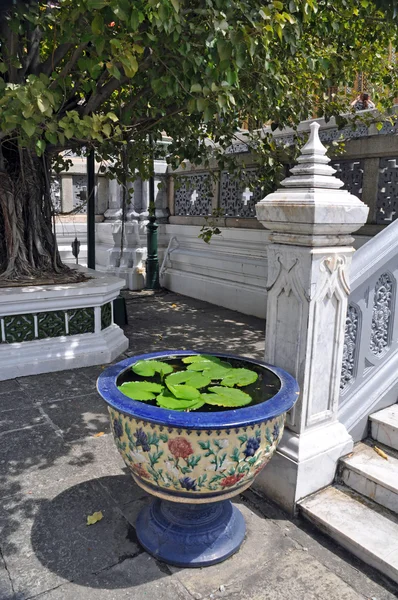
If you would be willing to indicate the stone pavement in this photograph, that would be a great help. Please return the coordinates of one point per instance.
(55, 470)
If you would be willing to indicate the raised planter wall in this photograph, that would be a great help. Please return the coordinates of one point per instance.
(57, 327)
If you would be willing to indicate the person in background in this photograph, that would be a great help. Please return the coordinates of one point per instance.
(363, 102)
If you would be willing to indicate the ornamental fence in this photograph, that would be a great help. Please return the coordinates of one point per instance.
(368, 168)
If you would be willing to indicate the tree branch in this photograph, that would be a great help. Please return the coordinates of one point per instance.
(103, 94)
(50, 64)
(10, 50)
(32, 57)
(130, 105)
(70, 64)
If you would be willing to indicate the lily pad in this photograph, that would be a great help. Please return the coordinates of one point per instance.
(192, 378)
(229, 398)
(167, 400)
(141, 390)
(148, 368)
(200, 358)
(239, 377)
(219, 371)
(210, 367)
(185, 392)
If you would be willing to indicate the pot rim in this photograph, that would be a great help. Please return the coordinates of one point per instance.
(283, 400)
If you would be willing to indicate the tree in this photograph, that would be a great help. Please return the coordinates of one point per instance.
(105, 74)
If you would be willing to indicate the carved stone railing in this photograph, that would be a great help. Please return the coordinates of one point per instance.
(368, 168)
(369, 378)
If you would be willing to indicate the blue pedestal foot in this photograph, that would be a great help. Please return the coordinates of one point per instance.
(190, 535)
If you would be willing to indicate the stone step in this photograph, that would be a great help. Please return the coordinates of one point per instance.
(385, 426)
(362, 527)
(371, 475)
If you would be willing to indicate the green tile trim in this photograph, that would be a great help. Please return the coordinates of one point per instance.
(106, 315)
(19, 328)
(51, 324)
(81, 320)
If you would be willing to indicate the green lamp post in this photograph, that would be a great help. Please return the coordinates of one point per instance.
(152, 262)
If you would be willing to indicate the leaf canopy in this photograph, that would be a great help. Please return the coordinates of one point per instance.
(96, 73)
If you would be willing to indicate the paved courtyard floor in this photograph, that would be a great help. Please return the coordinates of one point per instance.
(55, 470)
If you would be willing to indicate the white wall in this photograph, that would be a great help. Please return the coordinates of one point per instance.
(231, 271)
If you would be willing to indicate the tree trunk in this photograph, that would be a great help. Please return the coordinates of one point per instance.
(28, 247)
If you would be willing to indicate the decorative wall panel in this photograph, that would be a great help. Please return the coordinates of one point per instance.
(387, 193)
(193, 195)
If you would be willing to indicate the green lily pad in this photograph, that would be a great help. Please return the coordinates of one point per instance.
(192, 378)
(239, 377)
(230, 398)
(219, 371)
(208, 365)
(184, 392)
(148, 368)
(200, 358)
(167, 400)
(140, 390)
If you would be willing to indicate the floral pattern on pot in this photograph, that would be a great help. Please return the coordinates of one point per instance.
(195, 462)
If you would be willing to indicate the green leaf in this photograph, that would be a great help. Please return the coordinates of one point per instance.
(120, 13)
(230, 398)
(192, 378)
(167, 400)
(51, 137)
(176, 5)
(224, 50)
(114, 71)
(140, 390)
(40, 147)
(130, 64)
(185, 392)
(97, 24)
(134, 19)
(200, 358)
(196, 88)
(148, 368)
(211, 364)
(239, 377)
(29, 127)
(43, 103)
(96, 4)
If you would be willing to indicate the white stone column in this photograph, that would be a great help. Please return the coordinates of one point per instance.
(129, 263)
(309, 257)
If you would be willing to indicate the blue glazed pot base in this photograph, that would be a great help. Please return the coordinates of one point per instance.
(190, 535)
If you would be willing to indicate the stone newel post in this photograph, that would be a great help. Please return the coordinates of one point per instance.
(309, 257)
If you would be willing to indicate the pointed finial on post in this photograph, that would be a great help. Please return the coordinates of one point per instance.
(313, 169)
(314, 144)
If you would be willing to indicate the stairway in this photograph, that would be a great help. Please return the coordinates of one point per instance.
(360, 511)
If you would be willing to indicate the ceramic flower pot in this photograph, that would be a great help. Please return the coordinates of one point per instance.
(193, 462)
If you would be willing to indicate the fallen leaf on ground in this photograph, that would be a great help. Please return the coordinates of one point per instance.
(380, 452)
(99, 434)
(94, 518)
